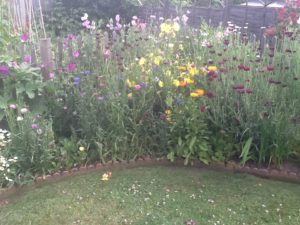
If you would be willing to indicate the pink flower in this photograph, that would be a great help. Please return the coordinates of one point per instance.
(76, 54)
(34, 126)
(25, 37)
(137, 87)
(27, 59)
(4, 70)
(87, 24)
(184, 19)
(51, 76)
(24, 110)
(13, 106)
(106, 53)
(72, 67)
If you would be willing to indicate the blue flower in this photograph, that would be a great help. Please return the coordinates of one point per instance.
(77, 81)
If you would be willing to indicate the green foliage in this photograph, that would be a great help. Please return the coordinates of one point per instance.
(189, 135)
(33, 145)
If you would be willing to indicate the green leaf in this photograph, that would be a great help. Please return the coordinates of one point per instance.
(245, 151)
(171, 156)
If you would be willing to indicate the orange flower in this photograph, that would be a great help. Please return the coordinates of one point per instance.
(200, 92)
(182, 83)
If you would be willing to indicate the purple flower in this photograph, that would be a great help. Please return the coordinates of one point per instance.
(72, 67)
(77, 81)
(4, 70)
(143, 84)
(27, 59)
(25, 37)
(34, 126)
(118, 18)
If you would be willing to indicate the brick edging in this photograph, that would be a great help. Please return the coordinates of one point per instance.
(274, 174)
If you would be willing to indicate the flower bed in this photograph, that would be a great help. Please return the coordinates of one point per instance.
(157, 88)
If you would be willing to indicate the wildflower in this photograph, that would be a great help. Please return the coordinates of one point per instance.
(168, 112)
(193, 71)
(190, 222)
(39, 131)
(76, 81)
(87, 24)
(106, 176)
(210, 95)
(81, 148)
(197, 93)
(19, 118)
(161, 84)
(106, 53)
(24, 110)
(182, 83)
(34, 126)
(25, 37)
(189, 81)
(4, 70)
(176, 27)
(184, 19)
(212, 68)
(176, 83)
(85, 17)
(165, 28)
(72, 67)
(51, 76)
(137, 87)
(13, 106)
(182, 68)
(129, 95)
(27, 59)
(142, 61)
(75, 54)
(130, 83)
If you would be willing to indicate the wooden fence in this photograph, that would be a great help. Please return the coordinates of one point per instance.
(254, 18)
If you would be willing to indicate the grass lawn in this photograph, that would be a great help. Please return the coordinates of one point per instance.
(157, 195)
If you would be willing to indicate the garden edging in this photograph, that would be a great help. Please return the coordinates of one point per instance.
(275, 174)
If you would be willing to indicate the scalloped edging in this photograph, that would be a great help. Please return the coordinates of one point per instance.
(274, 174)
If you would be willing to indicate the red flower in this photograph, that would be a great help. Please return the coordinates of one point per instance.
(238, 86)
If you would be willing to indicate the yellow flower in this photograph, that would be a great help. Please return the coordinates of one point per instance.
(165, 28)
(129, 95)
(157, 60)
(176, 83)
(212, 68)
(176, 27)
(161, 84)
(130, 83)
(142, 61)
(197, 93)
(194, 94)
(180, 47)
(193, 71)
(168, 112)
(171, 45)
(182, 68)
(105, 177)
(189, 81)
(82, 149)
(168, 73)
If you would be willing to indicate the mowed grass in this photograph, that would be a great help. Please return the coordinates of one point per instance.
(157, 195)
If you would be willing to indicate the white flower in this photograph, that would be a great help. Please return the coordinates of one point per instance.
(85, 17)
(19, 118)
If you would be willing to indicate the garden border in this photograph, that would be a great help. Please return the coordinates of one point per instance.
(231, 167)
